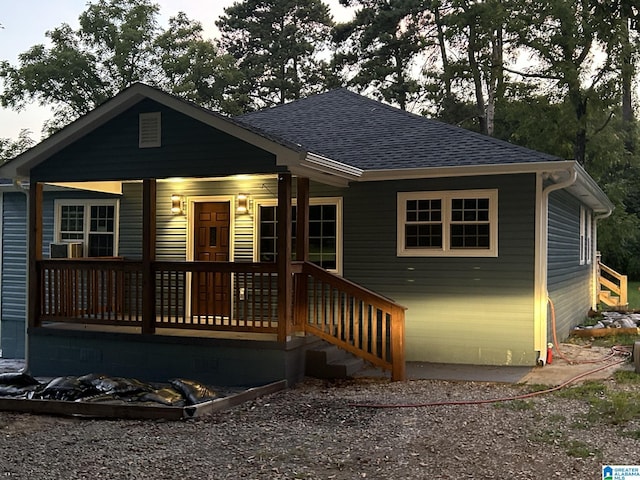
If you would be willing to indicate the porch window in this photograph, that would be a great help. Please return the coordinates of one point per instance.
(325, 232)
(453, 223)
(91, 222)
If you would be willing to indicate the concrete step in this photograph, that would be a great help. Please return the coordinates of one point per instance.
(329, 361)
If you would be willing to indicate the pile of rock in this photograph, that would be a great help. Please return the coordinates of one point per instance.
(610, 323)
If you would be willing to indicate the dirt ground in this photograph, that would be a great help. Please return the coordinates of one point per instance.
(366, 427)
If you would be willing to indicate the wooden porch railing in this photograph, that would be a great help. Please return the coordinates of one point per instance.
(355, 319)
(102, 292)
(239, 297)
(612, 287)
(109, 292)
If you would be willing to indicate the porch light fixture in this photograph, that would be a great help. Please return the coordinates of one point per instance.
(243, 204)
(177, 204)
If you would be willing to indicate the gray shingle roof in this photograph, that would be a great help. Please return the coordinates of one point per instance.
(352, 129)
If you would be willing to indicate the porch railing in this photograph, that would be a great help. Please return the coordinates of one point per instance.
(225, 296)
(237, 296)
(355, 319)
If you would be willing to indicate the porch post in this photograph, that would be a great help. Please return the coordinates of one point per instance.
(301, 305)
(302, 220)
(283, 214)
(148, 255)
(35, 253)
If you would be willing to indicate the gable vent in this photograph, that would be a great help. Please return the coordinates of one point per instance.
(149, 130)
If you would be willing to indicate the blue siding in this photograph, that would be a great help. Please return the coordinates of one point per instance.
(14, 262)
(14, 276)
(569, 283)
(189, 149)
(460, 310)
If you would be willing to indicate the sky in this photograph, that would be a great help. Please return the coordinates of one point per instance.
(25, 23)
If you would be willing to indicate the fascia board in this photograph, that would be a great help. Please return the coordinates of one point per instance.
(585, 188)
(464, 171)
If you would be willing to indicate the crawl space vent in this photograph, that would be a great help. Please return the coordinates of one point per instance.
(150, 130)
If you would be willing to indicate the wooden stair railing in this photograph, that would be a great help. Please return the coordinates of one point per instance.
(612, 287)
(351, 317)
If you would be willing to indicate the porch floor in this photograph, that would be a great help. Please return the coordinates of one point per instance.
(169, 332)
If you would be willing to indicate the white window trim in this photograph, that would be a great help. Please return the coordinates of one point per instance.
(337, 201)
(586, 246)
(446, 250)
(87, 203)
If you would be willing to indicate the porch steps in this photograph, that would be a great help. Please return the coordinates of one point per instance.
(328, 361)
(606, 297)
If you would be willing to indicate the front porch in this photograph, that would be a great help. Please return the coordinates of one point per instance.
(140, 317)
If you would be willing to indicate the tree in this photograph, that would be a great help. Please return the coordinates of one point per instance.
(117, 43)
(563, 38)
(382, 44)
(11, 148)
(278, 45)
(191, 67)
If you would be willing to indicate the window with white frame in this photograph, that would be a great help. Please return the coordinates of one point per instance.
(94, 223)
(325, 232)
(586, 245)
(449, 223)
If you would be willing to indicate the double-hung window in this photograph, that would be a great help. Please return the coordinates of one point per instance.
(586, 245)
(452, 223)
(325, 232)
(94, 223)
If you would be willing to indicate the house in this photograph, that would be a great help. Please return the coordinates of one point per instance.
(197, 245)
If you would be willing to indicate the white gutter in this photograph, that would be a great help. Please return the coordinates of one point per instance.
(542, 250)
(17, 183)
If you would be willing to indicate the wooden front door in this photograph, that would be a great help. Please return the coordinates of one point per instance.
(211, 291)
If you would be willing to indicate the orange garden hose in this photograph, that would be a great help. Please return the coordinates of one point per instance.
(615, 350)
(624, 352)
(556, 345)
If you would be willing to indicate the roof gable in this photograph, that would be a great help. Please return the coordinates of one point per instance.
(370, 135)
(22, 165)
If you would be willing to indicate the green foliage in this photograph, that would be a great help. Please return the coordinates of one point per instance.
(118, 42)
(381, 45)
(587, 390)
(633, 434)
(627, 377)
(605, 405)
(10, 148)
(579, 449)
(278, 46)
(192, 68)
(617, 407)
(633, 295)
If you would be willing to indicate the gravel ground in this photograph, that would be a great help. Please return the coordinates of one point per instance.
(314, 431)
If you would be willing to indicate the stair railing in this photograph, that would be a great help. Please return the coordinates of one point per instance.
(350, 316)
(611, 282)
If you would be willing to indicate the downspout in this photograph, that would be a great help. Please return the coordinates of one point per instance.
(542, 247)
(594, 258)
(21, 187)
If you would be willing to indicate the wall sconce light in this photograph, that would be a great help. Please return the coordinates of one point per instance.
(177, 204)
(243, 204)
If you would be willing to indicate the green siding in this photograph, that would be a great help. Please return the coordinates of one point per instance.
(460, 310)
(189, 149)
(569, 283)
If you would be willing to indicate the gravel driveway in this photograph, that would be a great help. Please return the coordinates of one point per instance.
(314, 431)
